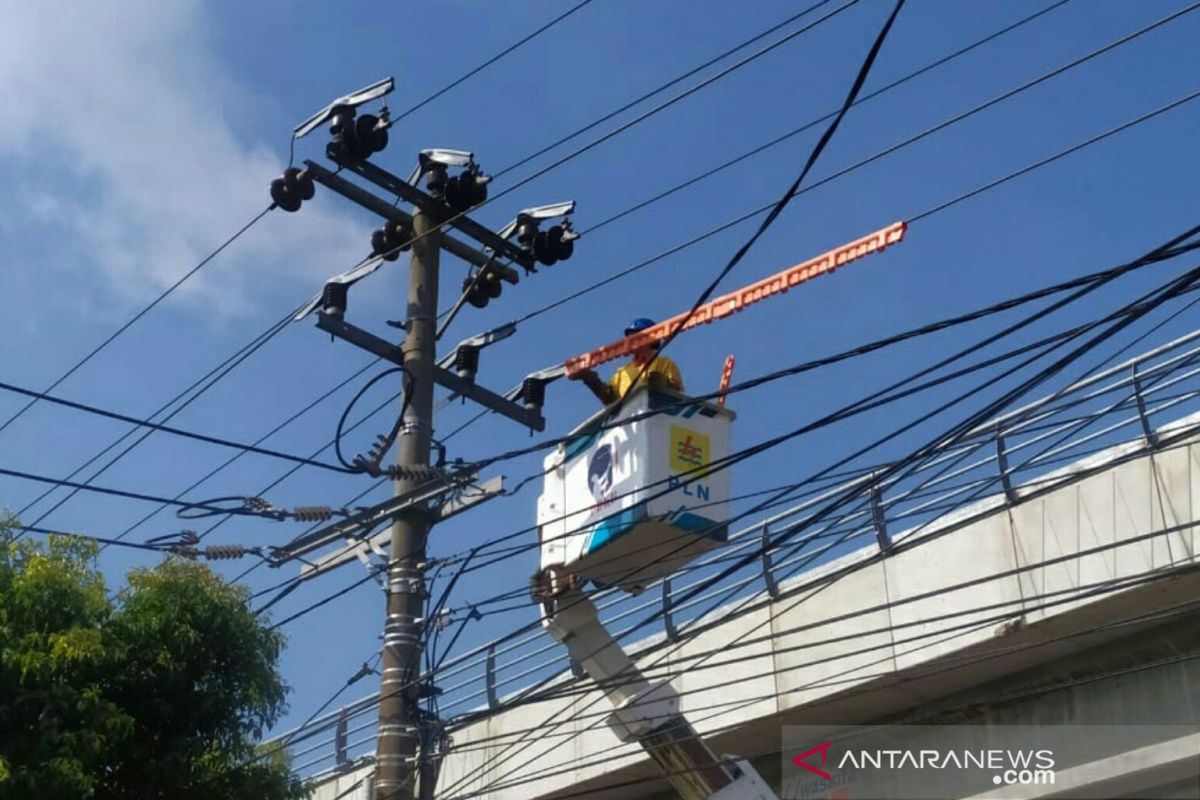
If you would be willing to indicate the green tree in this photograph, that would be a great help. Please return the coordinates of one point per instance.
(160, 691)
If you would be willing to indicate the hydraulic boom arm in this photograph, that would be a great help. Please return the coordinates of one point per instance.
(643, 712)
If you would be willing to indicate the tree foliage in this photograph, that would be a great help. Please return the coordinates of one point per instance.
(160, 691)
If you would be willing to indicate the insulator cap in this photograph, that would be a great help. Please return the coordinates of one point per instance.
(466, 361)
(533, 392)
(334, 299)
(312, 513)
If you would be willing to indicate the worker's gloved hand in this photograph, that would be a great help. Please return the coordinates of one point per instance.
(586, 375)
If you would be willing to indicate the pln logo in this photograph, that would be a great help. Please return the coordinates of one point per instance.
(689, 449)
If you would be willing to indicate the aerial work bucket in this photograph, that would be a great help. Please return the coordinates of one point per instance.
(630, 501)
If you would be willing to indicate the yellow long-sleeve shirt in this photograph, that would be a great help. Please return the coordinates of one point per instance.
(661, 368)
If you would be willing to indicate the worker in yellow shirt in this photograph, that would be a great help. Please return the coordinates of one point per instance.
(659, 371)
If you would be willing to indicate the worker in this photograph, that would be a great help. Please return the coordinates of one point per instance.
(659, 371)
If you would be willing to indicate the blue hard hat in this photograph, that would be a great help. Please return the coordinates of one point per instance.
(639, 324)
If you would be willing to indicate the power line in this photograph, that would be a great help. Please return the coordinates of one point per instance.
(1152, 252)
(199, 387)
(1086, 283)
(863, 71)
(670, 102)
(1095, 281)
(814, 122)
(664, 86)
(1026, 605)
(1176, 611)
(1148, 578)
(484, 65)
(132, 320)
(966, 425)
(228, 462)
(129, 495)
(154, 426)
(624, 127)
(325, 600)
(97, 539)
(1007, 95)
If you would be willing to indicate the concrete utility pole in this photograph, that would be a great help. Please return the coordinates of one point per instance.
(400, 732)
(409, 742)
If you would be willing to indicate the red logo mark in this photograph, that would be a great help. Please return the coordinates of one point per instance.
(800, 761)
(689, 452)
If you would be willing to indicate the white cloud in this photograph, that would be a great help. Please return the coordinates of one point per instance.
(118, 114)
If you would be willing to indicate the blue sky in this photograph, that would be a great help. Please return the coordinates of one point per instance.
(139, 135)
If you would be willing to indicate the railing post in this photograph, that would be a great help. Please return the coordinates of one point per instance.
(1002, 461)
(339, 741)
(668, 617)
(878, 517)
(489, 678)
(1147, 432)
(768, 568)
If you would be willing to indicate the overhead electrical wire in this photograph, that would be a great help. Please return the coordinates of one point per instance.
(1027, 603)
(484, 65)
(920, 216)
(260, 215)
(1042, 375)
(948, 122)
(911, 75)
(989, 410)
(662, 87)
(1122, 128)
(946, 59)
(675, 671)
(1091, 590)
(255, 219)
(693, 632)
(88, 537)
(1085, 283)
(668, 103)
(610, 135)
(1088, 283)
(111, 492)
(196, 389)
(142, 423)
(134, 319)
(228, 462)
(1179, 610)
(863, 71)
(943, 206)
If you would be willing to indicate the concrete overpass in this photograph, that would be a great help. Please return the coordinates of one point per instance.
(1046, 575)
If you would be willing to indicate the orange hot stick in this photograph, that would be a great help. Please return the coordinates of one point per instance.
(735, 301)
(726, 377)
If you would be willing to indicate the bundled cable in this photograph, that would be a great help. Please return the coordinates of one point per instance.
(371, 461)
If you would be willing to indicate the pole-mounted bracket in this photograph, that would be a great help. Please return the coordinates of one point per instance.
(458, 500)
(395, 185)
(337, 326)
(382, 208)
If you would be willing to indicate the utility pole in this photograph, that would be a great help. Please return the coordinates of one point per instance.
(409, 742)
(400, 732)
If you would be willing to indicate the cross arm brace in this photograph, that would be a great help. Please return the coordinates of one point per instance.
(381, 207)
(393, 184)
(529, 417)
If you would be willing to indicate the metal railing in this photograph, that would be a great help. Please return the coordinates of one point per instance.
(1109, 416)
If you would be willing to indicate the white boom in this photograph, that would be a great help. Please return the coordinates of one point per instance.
(643, 712)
